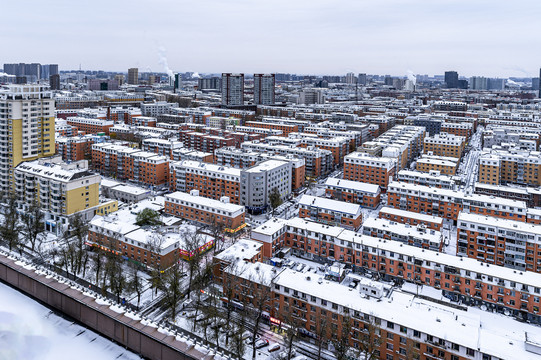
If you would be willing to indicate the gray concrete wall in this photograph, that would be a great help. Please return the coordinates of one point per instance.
(132, 334)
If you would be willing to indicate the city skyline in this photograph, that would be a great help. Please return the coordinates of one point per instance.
(313, 37)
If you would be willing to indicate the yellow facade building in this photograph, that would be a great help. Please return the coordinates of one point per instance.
(61, 190)
(26, 127)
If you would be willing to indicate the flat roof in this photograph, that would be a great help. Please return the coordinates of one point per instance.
(329, 204)
(354, 185)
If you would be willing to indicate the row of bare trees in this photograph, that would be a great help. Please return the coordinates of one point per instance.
(20, 230)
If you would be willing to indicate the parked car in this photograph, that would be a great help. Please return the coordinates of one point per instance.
(261, 343)
(274, 347)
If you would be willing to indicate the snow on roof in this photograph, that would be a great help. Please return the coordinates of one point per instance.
(266, 166)
(136, 190)
(257, 272)
(499, 223)
(430, 235)
(411, 214)
(400, 308)
(203, 201)
(487, 332)
(354, 185)
(270, 227)
(242, 249)
(329, 204)
(209, 167)
(456, 194)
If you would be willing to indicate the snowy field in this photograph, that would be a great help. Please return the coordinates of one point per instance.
(28, 331)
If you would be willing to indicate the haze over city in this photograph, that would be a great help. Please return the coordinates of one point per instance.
(306, 37)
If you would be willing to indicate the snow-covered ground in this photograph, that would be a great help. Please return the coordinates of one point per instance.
(28, 330)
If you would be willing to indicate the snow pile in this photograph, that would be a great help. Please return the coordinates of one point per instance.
(30, 331)
(116, 309)
(100, 301)
(132, 316)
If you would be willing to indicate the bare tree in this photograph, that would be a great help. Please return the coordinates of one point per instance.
(135, 284)
(259, 296)
(154, 244)
(192, 244)
(230, 288)
(171, 286)
(117, 279)
(9, 225)
(33, 227)
(294, 319)
(322, 330)
(74, 241)
(370, 339)
(214, 315)
(217, 232)
(341, 339)
(98, 261)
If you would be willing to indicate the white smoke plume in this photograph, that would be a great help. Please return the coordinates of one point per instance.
(163, 61)
(411, 77)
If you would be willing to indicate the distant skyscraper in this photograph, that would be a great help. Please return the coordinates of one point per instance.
(388, 80)
(540, 83)
(177, 84)
(54, 82)
(120, 79)
(133, 76)
(29, 114)
(48, 70)
(350, 78)
(213, 83)
(478, 83)
(451, 79)
(232, 89)
(361, 79)
(264, 89)
(535, 83)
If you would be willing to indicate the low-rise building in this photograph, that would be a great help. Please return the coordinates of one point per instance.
(330, 212)
(445, 144)
(411, 218)
(369, 169)
(364, 194)
(206, 211)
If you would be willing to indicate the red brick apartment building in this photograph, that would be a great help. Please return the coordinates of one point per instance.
(460, 278)
(367, 195)
(449, 203)
(411, 218)
(212, 181)
(330, 212)
(369, 169)
(286, 129)
(74, 148)
(90, 126)
(205, 211)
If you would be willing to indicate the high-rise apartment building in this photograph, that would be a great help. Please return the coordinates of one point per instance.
(33, 72)
(361, 79)
(54, 82)
(264, 89)
(213, 83)
(232, 89)
(350, 78)
(26, 127)
(133, 76)
(538, 83)
(177, 82)
(451, 79)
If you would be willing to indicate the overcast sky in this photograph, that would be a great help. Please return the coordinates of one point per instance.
(473, 37)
